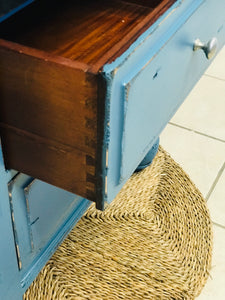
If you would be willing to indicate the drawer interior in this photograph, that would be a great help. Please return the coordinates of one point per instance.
(90, 31)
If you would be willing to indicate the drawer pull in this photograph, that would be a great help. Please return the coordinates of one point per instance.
(209, 48)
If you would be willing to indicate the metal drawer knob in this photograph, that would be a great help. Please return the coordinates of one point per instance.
(209, 48)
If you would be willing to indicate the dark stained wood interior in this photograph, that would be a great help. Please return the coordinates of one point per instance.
(48, 120)
(82, 30)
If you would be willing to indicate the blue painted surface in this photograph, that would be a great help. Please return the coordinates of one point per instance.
(43, 215)
(152, 94)
(147, 84)
(9, 275)
(148, 157)
(39, 210)
(109, 68)
(60, 232)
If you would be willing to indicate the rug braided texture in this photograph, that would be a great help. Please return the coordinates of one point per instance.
(153, 242)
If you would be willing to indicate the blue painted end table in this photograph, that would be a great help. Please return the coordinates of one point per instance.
(130, 92)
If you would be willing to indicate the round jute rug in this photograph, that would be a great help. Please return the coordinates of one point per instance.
(153, 242)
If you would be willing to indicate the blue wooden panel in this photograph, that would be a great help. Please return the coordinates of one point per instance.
(20, 221)
(34, 219)
(152, 95)
(9, 272)
(43, 254)
(40, 212)
(49, 207)
(147, 65)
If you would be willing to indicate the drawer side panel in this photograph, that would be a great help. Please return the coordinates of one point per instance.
(48, 118)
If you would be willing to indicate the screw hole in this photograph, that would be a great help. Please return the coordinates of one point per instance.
(155, 75)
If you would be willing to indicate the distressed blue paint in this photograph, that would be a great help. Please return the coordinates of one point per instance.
(146, 100)
(18, 206)
(129, 63)
(150, 57)
(149, 157)
(164, 38)
(57, 206)
(60, 233)
(108, 68)
(15, 10)
(137, 108)
(9, 274)
(40, 210)
(55, 211)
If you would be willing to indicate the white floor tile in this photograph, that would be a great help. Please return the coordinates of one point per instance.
(216, 202)
(200, 156)
(204, 108)
(217, 68)
(215, 286)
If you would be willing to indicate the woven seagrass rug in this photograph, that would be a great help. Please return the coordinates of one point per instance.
(153, 242)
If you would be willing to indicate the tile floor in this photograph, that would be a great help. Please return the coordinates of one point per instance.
(195, 138)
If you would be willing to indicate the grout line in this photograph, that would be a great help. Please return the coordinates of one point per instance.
(198, 132)
(214, 77)
(215, 182)
(218, 225)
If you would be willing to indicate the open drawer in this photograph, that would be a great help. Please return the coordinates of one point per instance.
(87, 86)
(52, 111)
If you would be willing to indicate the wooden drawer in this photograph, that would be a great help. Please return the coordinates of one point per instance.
(53, 91)
(75, 76)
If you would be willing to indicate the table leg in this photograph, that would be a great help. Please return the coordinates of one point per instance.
(149, 157)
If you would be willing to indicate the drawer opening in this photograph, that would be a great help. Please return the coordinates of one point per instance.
(84, 30)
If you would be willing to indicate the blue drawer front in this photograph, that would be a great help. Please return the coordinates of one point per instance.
(42, 215)
(150, 81)
(39, 210)
(152, 95)
(48, 207)
(9, 277)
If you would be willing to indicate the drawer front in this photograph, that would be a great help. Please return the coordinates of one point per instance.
(42, 214)
(153, 93)
(151, 80)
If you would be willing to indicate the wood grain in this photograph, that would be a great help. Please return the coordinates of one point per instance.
(85, 31)
(48, 115)
(53, 162)
(48, 98)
